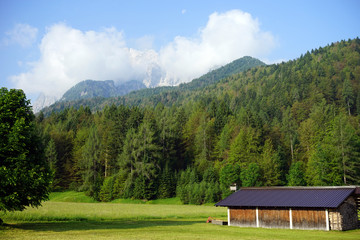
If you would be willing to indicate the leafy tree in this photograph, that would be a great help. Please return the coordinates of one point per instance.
(229, 175)
(25, 176)
(250, 177)
(296, 176)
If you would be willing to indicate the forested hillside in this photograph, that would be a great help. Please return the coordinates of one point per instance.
(294, 123)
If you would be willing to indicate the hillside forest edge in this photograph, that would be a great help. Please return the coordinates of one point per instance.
(296, 123)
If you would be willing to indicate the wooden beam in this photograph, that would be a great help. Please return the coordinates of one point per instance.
(290, 216)
(228, 216)
(327, 219)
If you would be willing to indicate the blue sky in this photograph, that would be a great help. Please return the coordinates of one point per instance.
(42, 42)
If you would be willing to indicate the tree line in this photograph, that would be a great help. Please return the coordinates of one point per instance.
(295, 123)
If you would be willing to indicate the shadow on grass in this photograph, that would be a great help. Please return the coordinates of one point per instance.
(97, 225)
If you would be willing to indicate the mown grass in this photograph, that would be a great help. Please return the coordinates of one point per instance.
(132, 220)
(67, 211)
(70, 196)
(80, 197)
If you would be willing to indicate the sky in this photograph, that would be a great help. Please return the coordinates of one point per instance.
(49, 46)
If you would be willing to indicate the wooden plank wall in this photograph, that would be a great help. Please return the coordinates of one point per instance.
(243, 217)
(274, 218)
(309, 219)
(279, 218)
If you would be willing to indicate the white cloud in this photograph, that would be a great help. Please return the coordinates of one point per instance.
(22, 34)
(226, 37)
(69, 56)
(183, 11)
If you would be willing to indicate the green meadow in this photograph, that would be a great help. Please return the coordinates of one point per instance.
(72, 215)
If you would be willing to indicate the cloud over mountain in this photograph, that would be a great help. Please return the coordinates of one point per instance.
(69, 55)
(226, 37)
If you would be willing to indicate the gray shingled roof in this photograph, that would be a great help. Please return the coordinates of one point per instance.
(306, 197)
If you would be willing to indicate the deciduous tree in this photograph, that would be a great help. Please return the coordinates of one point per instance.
(25, 176)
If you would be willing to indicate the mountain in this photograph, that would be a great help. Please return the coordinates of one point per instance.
(237, 66)
(106, 93)
(90, 89)
(43, 101)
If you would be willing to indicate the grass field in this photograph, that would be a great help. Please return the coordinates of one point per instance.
(63, 218)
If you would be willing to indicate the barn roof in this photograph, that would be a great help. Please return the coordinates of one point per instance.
(306, 197)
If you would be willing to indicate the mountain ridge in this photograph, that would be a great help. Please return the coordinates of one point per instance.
(92, 88)
(236, 66)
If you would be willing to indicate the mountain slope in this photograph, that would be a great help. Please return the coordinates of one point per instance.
(106, 89)
(237, 66)
(82, 93)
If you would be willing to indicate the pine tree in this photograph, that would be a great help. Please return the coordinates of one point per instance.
(348, 95)
(91, 166)
(289, 129)
(244, 148)
(346, 142)
(51, 157)
(270, 165)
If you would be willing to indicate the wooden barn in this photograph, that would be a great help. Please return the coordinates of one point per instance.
(321, 208)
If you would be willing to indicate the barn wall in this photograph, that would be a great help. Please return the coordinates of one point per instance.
(343, 218)
(274, 218)
(278, 218)
(243, 217)
(309, 219)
